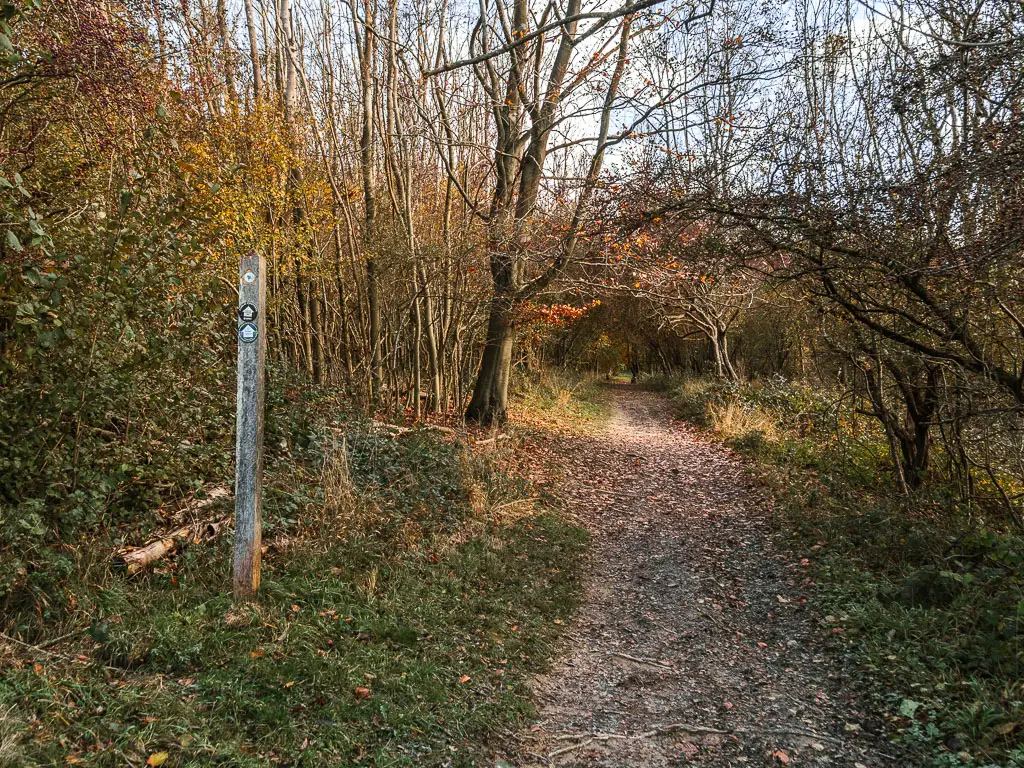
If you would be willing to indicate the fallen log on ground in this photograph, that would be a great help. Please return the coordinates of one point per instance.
(135, 560)
(491, 440)
(395, 430)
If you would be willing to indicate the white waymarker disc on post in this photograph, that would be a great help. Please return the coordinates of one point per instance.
(252, 354)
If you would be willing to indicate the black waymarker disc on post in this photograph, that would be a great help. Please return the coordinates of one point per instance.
(247, 313)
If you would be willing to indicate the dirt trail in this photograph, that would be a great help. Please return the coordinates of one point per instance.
(695, 644)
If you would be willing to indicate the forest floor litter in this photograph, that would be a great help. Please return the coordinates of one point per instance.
(696, 643)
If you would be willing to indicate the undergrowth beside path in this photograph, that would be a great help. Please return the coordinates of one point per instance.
(411, 586)
(925, 594)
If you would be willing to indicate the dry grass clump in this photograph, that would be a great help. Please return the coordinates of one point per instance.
(336, 477)
(488, 490)
(559, 401)
(11, 755)
(733, 420)
(343, 511)
(563, 398)
(512, 511)
(473, 470)
(692, 387)
(244, 615)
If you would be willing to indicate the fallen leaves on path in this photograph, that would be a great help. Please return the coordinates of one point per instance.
(696, 643)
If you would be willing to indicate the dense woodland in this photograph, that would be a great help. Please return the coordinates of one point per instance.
(813, 208)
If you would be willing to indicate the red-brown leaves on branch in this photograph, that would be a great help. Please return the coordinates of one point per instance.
(553, 315)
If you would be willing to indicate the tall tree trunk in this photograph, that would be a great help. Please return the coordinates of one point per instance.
(512, 211)
(489, 404)
(417, 335)
(366, 139)
(254, 57)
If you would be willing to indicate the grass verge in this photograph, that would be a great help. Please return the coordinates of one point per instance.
(409, 590)
(560, 400)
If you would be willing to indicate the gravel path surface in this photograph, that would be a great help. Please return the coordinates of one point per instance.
(695, 645)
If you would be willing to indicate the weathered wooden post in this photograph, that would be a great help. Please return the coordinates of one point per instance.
(252, 354)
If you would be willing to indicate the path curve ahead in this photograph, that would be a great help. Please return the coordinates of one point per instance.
(695, 645)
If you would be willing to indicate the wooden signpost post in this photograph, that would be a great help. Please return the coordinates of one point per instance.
(252, 354)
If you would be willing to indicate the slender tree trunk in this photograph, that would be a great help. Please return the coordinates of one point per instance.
(161, 38)
(254, 57)
(417, 335)
(303, 320)
(716, 350)
(366, 140)
(723, 351)
(339, 278)
(376, 342)
(316, 339)
(436, 393)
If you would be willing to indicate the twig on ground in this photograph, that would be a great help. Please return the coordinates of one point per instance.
(42, 646)
(54, 640)
(716, 621)
(640, 660)
(56, 654)
(585, 739)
